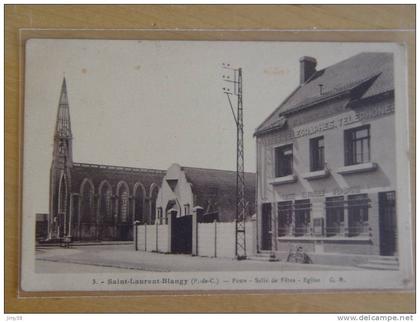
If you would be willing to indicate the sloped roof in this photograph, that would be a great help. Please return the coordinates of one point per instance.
(216, 178)
(371, 69)
(220, 187)
(114, 174)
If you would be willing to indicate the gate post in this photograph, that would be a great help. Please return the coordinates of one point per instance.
(157, 235)
(215, 237)
(196, 212)
(254, 236)
(145, 236)
(274, 231)
(135, 224)
(70, 215)
(169, 216)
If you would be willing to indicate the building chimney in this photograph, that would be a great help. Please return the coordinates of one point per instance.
(307, 68)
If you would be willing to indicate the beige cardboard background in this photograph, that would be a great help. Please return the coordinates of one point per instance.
(354, 17)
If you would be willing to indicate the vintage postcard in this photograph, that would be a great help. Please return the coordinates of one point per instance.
(212, 165)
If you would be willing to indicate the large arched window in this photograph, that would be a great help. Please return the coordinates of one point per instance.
(105, 202)
(123, 203)
(62, 195)
(86, 209)
(62, 205)
(153, 196)
(139, 198)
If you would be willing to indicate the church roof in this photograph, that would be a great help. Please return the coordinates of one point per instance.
(115, 174)
(371, 72)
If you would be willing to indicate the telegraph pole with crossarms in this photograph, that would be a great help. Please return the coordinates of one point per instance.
(240, 239)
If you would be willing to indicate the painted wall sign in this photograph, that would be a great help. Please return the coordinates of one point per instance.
(338, 121)
(320, 193)
(343, 121)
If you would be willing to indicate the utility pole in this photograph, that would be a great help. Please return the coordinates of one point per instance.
(236, 73)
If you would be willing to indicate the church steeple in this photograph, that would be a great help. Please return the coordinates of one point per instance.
(63, 125)
(60, 173)
(62, 154)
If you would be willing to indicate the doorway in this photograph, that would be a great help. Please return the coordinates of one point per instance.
(387, 223)
(181, 234)
(124, 232)
(266, 227)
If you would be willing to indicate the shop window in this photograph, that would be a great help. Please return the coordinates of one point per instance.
(284, 160)
(316, 146)
(302, 217)
(335, 216)
(285, 213)
(358, 207)
(357, 145)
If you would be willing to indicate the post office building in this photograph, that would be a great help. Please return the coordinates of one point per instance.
(326, 172)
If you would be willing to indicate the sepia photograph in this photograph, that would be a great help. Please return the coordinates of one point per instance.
(215, 165)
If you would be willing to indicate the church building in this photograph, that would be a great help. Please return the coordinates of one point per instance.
(103, 202)
(94, 201)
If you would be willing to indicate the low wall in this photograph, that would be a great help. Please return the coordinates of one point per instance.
(332, 259)
(206, 239)
(152, 238)
(225, 240)
(344, 246)
(141, 237)
(215, 239)
(218, 239)
(162, 238)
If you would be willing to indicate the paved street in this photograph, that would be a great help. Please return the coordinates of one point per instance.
(119, 258)
(46, 266)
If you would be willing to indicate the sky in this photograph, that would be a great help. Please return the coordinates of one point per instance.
(149, 104)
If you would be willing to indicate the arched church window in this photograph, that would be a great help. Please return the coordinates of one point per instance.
(87, 203)
(105, 210)
(139, 204)
(124, 206)
(108, 203)
(62, 201)
(123, 203)
(153, 197)
(62, 205)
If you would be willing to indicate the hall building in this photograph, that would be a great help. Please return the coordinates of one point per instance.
(326, 164)
(213, 190)
(195, 211)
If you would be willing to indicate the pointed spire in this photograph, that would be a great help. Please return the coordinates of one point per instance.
(63, 95)
(63, 126)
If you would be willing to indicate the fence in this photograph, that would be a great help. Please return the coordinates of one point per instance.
(152, 238)
(216, 239)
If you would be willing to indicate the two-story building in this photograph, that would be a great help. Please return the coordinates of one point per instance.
(326, 172)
